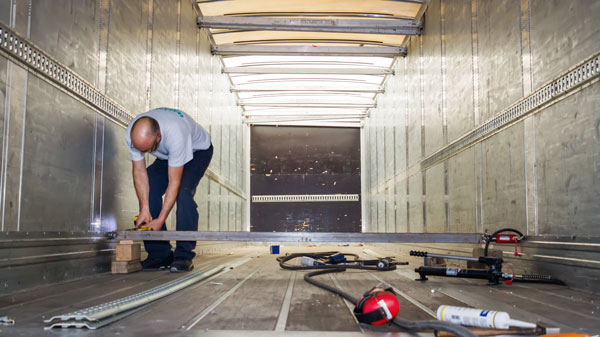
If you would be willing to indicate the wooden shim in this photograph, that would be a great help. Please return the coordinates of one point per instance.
(125, 267)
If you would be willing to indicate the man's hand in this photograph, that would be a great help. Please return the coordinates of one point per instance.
(143, 218)
(155, 224)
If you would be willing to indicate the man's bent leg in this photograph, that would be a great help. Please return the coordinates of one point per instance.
(187, 209)
(187, 220)
(158, 180)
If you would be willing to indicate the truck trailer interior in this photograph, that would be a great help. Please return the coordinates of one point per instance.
(379, 168)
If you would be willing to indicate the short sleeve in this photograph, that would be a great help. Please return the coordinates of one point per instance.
(180, 150)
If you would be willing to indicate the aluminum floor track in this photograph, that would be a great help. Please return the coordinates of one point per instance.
(260, 299)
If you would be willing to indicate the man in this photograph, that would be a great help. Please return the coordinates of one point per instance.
(183, 151)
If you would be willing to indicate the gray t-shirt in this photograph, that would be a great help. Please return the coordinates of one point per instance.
(181, 136)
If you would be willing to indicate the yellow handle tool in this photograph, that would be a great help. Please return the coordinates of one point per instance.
(141, 228)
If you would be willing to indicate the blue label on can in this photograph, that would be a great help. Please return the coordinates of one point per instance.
(484, 313)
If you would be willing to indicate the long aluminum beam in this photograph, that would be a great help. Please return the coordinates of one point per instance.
(307, 122)
(252, 49)
(306, 89)
(301, 236)
(346, 122)
(304, 105)
(360, 26)
(354, 121)
(311, 71)
(303, 116)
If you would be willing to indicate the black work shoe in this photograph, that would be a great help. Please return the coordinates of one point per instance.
(181, 265)
(157, 264)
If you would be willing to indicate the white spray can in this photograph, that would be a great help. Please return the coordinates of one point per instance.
(479, 318)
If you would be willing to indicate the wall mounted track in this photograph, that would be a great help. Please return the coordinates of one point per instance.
(32, 58)
(585, 73)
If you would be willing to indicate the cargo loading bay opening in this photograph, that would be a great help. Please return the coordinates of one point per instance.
(339, 168)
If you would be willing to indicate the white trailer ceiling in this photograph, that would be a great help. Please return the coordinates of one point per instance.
(312, 62)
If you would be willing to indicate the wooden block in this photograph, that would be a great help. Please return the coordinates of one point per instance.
(125, 267)
(477, 252)
(126, 242)
(437, 262)
(128, 252)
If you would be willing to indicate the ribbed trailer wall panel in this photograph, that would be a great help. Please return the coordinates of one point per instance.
(485, 118)
(65, 171)
(65, 168)
(473, 60)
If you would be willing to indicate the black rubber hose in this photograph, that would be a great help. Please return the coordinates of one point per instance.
(458, 330)
(308, 278)
(317, 256)
(487, 243)
(283, 259)
(325, 269)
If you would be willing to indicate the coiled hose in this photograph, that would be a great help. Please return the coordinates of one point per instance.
(458, 330)
(534, 278)
(489, 238)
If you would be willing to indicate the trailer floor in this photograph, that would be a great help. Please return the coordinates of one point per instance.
(259, 299)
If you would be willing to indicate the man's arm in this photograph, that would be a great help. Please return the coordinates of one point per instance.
(140, 182)
(175, 173)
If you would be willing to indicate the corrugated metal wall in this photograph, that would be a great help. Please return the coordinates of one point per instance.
(474, 59)
(540, 175)
(65, 168)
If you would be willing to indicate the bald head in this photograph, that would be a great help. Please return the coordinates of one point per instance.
(145, 134)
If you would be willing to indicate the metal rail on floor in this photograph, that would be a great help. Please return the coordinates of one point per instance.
(301, 237)
(106, 313)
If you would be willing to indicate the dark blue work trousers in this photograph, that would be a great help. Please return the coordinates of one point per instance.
(187, 212)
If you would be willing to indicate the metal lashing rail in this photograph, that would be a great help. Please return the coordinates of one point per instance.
(21, 51)
(32, 58)
(553, 91)
(106, 313)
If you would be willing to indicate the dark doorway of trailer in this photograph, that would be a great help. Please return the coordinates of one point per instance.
(305, 179)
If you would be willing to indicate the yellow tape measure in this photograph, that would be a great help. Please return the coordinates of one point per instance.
(141, 228)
